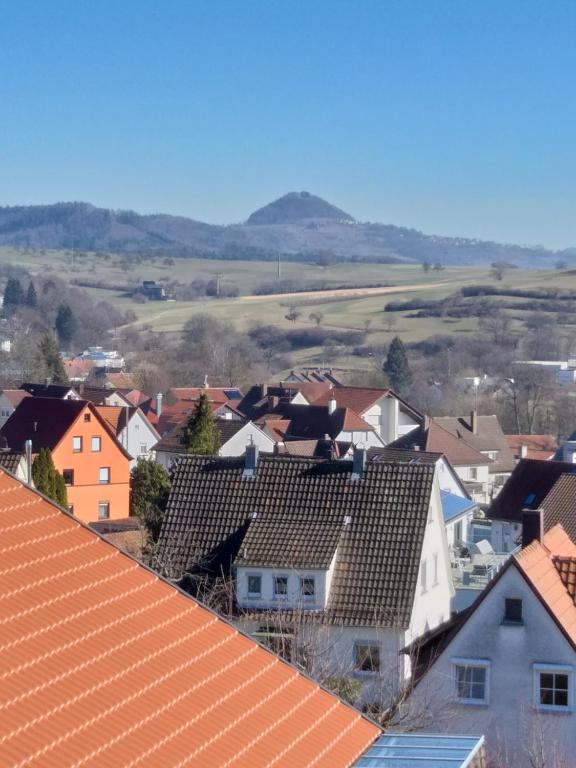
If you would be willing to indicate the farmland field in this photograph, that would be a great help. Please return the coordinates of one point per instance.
(353, 307)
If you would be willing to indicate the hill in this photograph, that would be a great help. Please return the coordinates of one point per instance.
(295, 207)
(299, 226)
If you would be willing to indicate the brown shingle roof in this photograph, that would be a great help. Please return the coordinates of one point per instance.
(537, 446)
(292, 510)
(104, 664)
(15, 396)
(528, 486)
(433, 438)
(488, 437)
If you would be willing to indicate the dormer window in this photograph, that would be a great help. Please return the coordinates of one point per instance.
(254, 585)
(308, 587)
(512, 611)
(280, 587)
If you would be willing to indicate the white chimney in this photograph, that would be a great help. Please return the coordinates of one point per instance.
(523, 451)
(332, 405)
(159, 398)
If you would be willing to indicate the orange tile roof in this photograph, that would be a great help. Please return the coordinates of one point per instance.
(537, 562)
(357, 398)
(537, 446)
(113, 415)
(102, 663)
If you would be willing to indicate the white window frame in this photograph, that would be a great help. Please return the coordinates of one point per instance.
(99, 449)
(366, 644)
(80, 442)
(108, 477)
(554, 669)
(249, 576)
(280, 595)
(435, 570)
(479, 664)
(423, 576)
(101, 504)
(308, 598)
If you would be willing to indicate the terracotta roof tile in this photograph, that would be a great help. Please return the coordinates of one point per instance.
(357, 398)
(104, 664)
(536, 446)
(488, 437)
(434, 438)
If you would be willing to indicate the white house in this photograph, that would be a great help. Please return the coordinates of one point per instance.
(132, 429)
(508, 667)
(337, 564)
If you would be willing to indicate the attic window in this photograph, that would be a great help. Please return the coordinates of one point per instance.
(87, 417)
(512, 611)
(366, 658)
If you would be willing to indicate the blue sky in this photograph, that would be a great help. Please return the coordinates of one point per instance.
(451, 116)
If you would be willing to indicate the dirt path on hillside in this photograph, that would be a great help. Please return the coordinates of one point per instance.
(337, 293)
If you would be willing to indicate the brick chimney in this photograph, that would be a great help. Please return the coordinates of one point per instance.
(532, 526)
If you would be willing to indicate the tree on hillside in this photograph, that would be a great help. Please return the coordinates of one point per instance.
(396, 367)
(66, 325)
(149, 486)
(51, 360)
(200, 435)
(31, 296)
(13, 295)
(47, 479)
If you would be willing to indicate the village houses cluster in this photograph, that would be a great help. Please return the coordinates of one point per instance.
(343, 581)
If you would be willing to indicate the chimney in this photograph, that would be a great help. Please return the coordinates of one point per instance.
(358, 462)
(206, 385)
(474, 422)
(28, 452)
(263, 390)
(332, 405)
(250, 460)
(523, 451)
(532, 526)
(159, 398)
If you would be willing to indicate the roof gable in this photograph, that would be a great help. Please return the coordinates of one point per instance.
(434, 438)
(108, 664)
(43, 420)
(301, 510)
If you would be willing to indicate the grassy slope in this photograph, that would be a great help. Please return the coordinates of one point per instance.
(351, 312)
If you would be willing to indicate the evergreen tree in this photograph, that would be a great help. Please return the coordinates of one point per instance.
(52, 360)
(47, 479)
(66, 324)
(149, 489)
(200, 435)
(13, 295)
(396, 367)
(31, 296)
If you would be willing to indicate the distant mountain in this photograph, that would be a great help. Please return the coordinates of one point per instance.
(300, 226)
(297, 207)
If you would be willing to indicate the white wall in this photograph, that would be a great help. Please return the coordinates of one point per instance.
(510, 717)
(138, 438)
(505, 535)
(267, 600)
(6, 409)
(451, 526)
(249, 433)
(368, 439)
(448, 479)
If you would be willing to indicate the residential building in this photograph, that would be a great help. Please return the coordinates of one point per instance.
(507, 667)
(104, 360)
(132, 429)
(534, 484)
(95, 466)
(337, 563)
(262, 398)
(9, 401)
(472, 466)
(532, 446)
(107, 664)
(60, 391)
(314, 375)
(16, 464)
(485, 434)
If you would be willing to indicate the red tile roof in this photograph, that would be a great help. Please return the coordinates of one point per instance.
(15, 396)
(433, 438)
(103, 663)
(536, 446)
(357, 398)
(537, 562)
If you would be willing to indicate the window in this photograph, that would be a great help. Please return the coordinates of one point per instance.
(308, 587)
(435, 569)
(553, 687)
(280, 586)
(366, 658)
(87, 417)
(103, 510)
(458, 532)
(143, 448)
(104, 475)
(77, 444)
(5, 413)
(512, 611)
(471, 681)
(473, 473)
(96, 444)
(68, 475)
(423, 576)
(255, 586)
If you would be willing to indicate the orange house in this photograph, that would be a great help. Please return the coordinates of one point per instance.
(96, 468)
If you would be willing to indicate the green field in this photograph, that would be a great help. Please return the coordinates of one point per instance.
(360, 312)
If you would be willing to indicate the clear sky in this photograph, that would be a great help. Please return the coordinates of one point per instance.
(451, 116)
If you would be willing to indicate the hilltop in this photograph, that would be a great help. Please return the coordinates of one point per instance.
(299, 226)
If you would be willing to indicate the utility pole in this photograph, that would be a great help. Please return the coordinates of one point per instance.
(219, 275)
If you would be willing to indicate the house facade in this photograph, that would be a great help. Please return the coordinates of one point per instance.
(336, 564)
(509, 669)
(95, 466)
(132, 429)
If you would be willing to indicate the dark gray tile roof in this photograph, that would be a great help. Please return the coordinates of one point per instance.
(403, 455)
(10, 461)
(301, 512)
